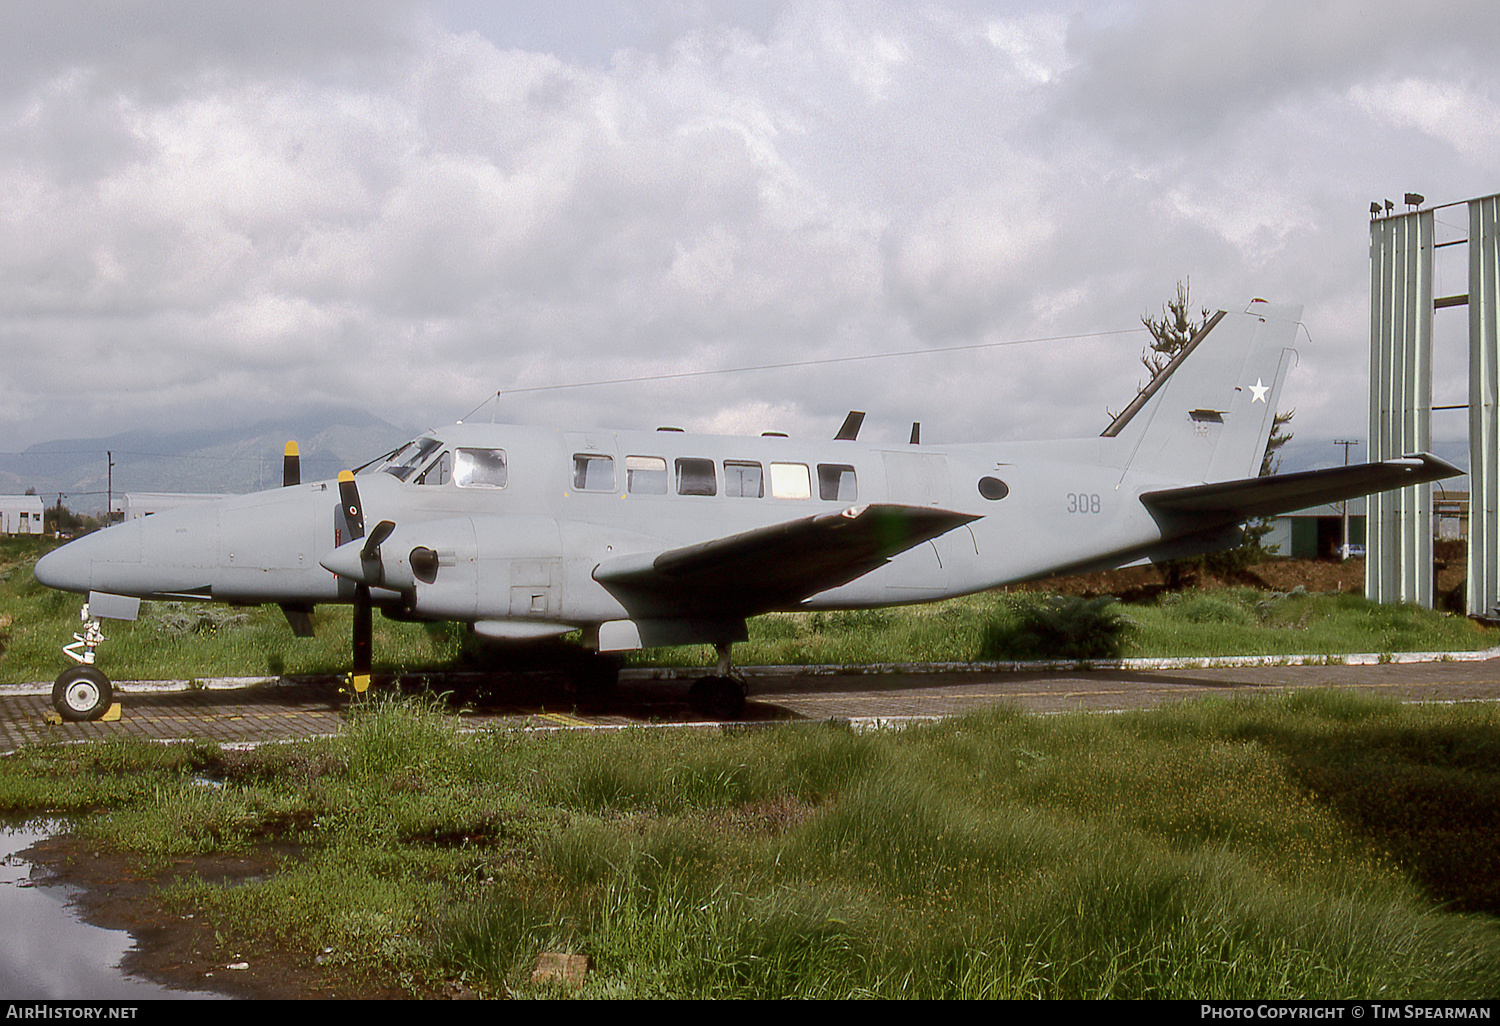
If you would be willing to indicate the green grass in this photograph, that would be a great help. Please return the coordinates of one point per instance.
(1220, 623)
(1319, 844)
(187, 641)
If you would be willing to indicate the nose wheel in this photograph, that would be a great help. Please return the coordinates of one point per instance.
(81, 693)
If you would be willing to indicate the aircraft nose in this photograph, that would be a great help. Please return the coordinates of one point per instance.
(66, 569)
(106, 560)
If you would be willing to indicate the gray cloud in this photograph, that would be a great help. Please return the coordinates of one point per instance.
(157, 49)
(1173, 71)
(215, 211)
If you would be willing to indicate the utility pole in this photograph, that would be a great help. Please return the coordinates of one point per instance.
(109, 509)
(1344, 551)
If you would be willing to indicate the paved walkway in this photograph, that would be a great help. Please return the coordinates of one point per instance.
(271, 709)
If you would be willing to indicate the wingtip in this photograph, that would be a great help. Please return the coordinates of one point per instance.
(1428, 460)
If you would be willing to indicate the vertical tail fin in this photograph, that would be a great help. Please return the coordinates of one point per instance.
(1209, 414)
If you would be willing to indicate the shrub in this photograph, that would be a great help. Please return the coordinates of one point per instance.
(1059, 627)
(1211, 609)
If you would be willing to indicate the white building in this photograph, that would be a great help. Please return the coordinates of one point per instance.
(20, 514)
(143, 504)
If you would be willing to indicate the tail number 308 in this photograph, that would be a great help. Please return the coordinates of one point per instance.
(1083, 502)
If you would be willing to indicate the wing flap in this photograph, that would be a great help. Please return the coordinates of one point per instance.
(1267, 496)
(775, 566)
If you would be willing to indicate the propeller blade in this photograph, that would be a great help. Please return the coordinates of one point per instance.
(354, 513)
(291, 466)
(382, 531)
(364, 629)
(364, 626)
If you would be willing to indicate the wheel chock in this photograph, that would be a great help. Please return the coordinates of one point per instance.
(110, 715)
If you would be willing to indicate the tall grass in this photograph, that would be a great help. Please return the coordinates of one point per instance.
(999, 626)
(1318, 844)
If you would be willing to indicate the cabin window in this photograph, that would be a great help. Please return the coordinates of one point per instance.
(696, 477)
(743, 480)
(481, 468)
(790, 481)
(593, 472)
(836, 481)
(646, 475)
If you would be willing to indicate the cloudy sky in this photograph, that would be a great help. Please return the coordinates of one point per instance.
(250, 208)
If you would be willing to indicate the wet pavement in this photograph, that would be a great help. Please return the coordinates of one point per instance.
(275, 709)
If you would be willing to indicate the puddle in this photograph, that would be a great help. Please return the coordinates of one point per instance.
(46, 951)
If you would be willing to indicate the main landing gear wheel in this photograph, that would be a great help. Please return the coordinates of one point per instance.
(595, 679)
(82, 693)
(719, 695)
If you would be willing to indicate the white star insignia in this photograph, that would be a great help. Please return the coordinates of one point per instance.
(1258, 391)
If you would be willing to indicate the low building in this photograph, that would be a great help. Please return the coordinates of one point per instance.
(1318, 532)
(143, 504)
(20, 514)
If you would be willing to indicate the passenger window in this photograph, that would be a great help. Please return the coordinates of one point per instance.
(743, 480)
(646, 475)
(790, 481)
(480, 468)
(593, 473)
(696, 477)
(836, 481)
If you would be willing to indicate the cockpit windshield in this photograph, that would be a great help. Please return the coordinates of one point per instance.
(410, 458)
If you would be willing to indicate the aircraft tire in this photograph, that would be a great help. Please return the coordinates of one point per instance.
(81, 693)
(718, 696)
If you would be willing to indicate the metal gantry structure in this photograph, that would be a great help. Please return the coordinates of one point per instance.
(1399, 567)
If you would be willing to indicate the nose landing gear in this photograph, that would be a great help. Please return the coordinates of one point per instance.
(82, 692)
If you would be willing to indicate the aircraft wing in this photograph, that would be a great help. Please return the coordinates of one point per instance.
(772, 567)
(1282, 493)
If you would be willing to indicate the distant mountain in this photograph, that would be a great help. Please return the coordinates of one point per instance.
(235, 458)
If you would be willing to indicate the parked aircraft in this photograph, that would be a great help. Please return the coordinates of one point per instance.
(660, 538)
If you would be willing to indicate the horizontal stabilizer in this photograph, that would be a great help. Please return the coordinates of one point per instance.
(773, 567)
(1267, 496)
